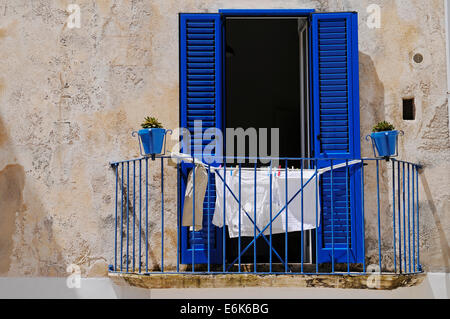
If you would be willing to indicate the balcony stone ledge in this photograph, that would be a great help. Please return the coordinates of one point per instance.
(344, 281)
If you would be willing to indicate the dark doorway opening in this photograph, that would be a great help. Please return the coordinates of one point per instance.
(266, 86)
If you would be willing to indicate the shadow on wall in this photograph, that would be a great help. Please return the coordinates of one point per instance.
(372, 108)
(372, 111)
(12, 182)
(26, 233)
(127, 214)
(440, 230)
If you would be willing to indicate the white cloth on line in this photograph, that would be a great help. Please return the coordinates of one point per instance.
(263, 201)
(201, 182)
(247, 202)
(297, 222)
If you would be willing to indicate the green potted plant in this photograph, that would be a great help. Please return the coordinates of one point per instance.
(152, 135)
(384, 137)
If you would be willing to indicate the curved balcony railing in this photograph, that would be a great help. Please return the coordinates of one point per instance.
(351, 216)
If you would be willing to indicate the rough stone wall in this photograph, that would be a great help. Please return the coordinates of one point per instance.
(70, 98)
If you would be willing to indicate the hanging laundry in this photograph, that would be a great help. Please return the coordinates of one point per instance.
(297, 222)
(201, 182)
(263, 216)
(247, 210)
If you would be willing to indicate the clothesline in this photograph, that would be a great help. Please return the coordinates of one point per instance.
(320, 171)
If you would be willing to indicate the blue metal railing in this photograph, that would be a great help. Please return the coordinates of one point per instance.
(397, 241)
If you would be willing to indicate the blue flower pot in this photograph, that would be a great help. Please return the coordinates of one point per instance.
(152, 140)
(385, 142)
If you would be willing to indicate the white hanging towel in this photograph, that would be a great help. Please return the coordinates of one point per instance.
(247, 202)
(263, 216)
(297, 222)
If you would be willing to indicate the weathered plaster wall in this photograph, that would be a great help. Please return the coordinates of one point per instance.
(70, 98)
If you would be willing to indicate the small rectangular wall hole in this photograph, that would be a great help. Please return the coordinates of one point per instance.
(409, 110)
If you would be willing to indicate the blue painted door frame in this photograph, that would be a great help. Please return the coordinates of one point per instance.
(204, 68)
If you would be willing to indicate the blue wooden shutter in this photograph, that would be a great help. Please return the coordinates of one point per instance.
(200, 100)
(336, 133)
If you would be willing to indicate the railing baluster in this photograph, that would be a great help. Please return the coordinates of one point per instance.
(287, 218)
(413, 169)
(316, 163)
(240, 207)
(121, 225)
(178, 213)
(301, 212)
(140, 213)
(393, 217)
(134, 214)
(193, 216)
(332, 220)
(409, 224)
(418, 219)
(404, 216)
(162, 214)
(379, 217)
(224, 213)
(270, 225)
(362, 218)
(347, 210)
(399, 217)
(208, 217)
(146, 214)
(115, 220)
(128, 208)
(255, 221)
